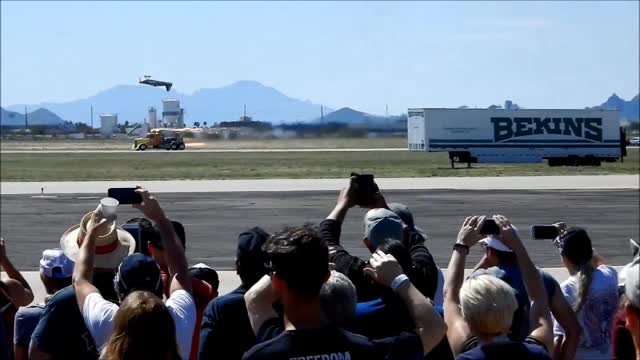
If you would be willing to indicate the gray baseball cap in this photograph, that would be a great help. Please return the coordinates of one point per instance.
(403, 211)
(382, 224)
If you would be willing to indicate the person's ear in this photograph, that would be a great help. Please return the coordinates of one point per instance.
(367, 243)
(633, 322)
(150, 248)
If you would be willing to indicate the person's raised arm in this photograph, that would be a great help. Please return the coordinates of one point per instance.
(429, 325)
(539, 314)
(566, 345)
(83, 270)
(259, 300)
(457, 329)
(346, 200)
(174, 252)
(18, 288)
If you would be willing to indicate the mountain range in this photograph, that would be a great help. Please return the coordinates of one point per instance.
(131, 103)
(40, 116)
(629, 110)
(264, 103)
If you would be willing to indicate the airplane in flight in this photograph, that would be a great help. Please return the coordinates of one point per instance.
(149, 81)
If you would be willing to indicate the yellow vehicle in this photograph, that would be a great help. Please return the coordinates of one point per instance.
(160, 139)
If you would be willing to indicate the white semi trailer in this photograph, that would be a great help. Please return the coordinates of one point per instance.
(563, 137)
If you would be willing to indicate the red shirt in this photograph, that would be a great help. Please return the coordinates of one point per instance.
(202, 294)
(621, 340)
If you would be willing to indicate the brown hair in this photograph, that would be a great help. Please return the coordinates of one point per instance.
(143, 329)
(585, 277)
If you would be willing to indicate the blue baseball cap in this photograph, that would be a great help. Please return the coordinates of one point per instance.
(139, 272)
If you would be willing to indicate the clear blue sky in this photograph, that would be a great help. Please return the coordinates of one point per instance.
(363, 55)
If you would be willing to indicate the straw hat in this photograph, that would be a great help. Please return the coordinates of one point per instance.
(112, 244)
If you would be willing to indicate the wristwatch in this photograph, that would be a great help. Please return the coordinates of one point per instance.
(464, 249)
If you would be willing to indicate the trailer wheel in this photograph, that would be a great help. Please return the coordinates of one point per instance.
(573, 160)
(174, 146)
(142, 147)
(181, 146)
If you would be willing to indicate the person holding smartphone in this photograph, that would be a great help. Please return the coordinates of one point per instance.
(479, 312)
(500, 261)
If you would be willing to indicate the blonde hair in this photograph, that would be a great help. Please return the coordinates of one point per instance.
(143, 329)
(488, 305)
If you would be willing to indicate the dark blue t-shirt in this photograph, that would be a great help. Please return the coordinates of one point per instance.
(530, 349)
(338, 344)
(226, 331)
(392, 313)
(513, 276)
(61, 331)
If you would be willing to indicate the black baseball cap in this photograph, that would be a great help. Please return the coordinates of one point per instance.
(250, 244)
(575, 245)
(139, 272)
(205, 273)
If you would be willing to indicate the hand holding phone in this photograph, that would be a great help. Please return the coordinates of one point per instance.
(125, 195)
(366, 188)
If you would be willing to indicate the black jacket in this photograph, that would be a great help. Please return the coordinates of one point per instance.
(424, 275)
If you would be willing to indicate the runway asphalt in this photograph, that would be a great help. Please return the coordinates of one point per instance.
(213, 220)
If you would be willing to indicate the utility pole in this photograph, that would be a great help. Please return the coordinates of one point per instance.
(245, 112)
(92, 116)
(321, 114)
(386, 111)
(26, 123)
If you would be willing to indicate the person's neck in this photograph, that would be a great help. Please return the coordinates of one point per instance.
(302, 313)
(486, 338)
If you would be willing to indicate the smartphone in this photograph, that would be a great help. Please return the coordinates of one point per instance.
(544, 232)
(134, 230)
(366, 188)
(125, 195)
(489, 227)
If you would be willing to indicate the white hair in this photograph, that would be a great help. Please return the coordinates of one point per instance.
(488, 304)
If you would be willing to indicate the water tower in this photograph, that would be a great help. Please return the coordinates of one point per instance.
(153, 118)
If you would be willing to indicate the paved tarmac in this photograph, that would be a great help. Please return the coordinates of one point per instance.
(213, 220)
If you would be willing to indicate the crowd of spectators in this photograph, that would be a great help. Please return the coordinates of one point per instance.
(303, 295)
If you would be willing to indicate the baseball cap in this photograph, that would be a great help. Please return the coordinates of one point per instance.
(632, 285)
(382, 224)
(403, 212)
(495, 244)
(250, 244)
(575, 245)
(139, 272)
(55, 264)
(205, 273)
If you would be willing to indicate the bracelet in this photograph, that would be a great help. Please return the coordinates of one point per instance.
(399, 280)
(459, 246)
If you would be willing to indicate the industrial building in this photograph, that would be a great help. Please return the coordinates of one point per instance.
(172, 114)
(108, 124)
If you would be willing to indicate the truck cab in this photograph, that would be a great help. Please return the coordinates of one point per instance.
(160, 140)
